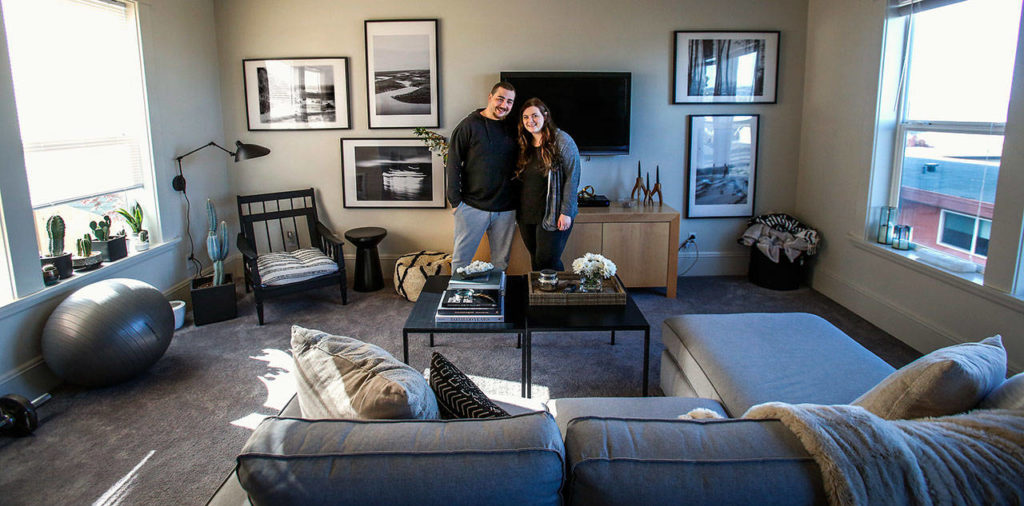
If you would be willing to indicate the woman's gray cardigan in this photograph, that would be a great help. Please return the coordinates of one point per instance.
(562, 183)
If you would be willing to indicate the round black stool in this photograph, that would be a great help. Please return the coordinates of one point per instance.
(368, 275)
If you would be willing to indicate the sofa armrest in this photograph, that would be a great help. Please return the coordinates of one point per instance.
(513, 460)
(733, 461)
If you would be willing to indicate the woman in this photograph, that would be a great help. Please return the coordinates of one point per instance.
(549, 173)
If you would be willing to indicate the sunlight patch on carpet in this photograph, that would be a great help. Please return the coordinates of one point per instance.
(117, 493)
(506, 388)
(279, 382)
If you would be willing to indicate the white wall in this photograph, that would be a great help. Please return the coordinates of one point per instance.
(844, 47)
(478, 39)
(179, 45)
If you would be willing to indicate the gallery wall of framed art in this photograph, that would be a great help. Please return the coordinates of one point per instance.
(391, 173)
(402, 84)
(297, 93)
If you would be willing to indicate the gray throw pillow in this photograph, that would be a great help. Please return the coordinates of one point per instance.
(1009, 395)
(342, 377)
(944, 382)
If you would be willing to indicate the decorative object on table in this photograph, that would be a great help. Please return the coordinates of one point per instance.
(470, 305)
(297, 93)
(379, 173)
(493, 280)
(725, 67)
(50, 275)
(722, 167)
(271, 268)
(886, 222)
(412, 270)
(107, 332)
(142, 240)
(87, 258)
(587, 197)
(178, 308)
(111, 248)
(242, 152)
(457, 395)
(567, 292)
(368, 275)
(547, 280)
(649, 197)
(213, 297)
(780, 245)
(592, 269)
(902, 237)
(55, 254)
(657, 187)
(437, 143)
(639, 190)
(402, 73)
(475, 269)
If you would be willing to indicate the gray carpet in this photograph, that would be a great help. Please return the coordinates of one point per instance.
(170, 436)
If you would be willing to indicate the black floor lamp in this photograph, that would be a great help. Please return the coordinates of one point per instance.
(242, 152)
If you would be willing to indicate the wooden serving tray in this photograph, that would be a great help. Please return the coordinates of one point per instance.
(612, 294)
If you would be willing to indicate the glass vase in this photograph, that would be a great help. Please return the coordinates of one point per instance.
(590, 284)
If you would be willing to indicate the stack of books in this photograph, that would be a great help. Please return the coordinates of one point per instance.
(473, 299)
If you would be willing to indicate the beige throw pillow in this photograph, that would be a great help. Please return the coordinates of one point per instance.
(1008, 395)
(342, 377)
(944, 382)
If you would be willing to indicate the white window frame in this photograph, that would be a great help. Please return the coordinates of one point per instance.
(974, 236)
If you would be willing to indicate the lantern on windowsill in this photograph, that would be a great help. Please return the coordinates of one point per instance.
(902, 237)
(886, 221)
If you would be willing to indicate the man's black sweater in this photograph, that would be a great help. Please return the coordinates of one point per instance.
(481, 163)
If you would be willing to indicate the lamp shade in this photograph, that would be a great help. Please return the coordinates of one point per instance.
(247, 151)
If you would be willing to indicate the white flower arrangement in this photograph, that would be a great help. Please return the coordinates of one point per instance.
(475, 267)
(593, 265)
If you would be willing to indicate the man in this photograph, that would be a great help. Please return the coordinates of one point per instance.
(481, 164)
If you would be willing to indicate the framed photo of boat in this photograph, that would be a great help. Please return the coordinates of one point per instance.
(385, 173)
(402, 73)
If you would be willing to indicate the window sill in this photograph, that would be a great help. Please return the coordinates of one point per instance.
(81, 279)
(971, 282)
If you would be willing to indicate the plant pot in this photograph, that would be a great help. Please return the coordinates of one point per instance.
(87, 263)
(112, 249)
(178, 308)
(63, 264)
(141, 245)
(211, 304)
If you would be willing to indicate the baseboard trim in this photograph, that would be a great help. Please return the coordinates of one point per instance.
(712, 263)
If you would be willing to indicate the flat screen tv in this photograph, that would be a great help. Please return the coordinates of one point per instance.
(592, 107)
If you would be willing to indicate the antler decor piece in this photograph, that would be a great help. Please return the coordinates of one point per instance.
(657, 186)
(639, 190)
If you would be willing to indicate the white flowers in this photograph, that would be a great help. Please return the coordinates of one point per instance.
(593, 265)
(477, 266)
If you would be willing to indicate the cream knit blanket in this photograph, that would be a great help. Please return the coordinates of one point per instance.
(973, 458)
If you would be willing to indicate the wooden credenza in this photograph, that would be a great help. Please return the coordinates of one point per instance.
(642, 241)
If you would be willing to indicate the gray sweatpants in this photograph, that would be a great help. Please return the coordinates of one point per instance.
(470, 225)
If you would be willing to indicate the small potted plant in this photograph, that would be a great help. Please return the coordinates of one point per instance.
(133, 218)
(111, 248)
(87, 258)
(142, 241)
(57, 257)
(50, 276)
(213, 297)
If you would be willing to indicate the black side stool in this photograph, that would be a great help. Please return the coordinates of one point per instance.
(368, 276)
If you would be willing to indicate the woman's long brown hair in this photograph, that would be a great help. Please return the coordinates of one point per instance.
(546, 151)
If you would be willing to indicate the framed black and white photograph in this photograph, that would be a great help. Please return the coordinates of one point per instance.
(725, 67)
(722, 166)
(401, 73)
(391, 173)
(297, 93)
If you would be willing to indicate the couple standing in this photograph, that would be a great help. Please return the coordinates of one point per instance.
(502, 172)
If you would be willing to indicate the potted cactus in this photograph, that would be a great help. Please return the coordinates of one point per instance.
(87, 258)
(111, 248)
(142, 241)
(57, 257)
(213, 297)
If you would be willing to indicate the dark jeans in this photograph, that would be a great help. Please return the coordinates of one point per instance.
(545, 247)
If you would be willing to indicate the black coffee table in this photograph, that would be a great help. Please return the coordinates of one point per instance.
(523, 320)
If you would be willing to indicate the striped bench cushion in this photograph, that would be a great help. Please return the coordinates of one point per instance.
(283, 268)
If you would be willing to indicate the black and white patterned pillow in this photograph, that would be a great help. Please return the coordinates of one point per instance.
(457, 395)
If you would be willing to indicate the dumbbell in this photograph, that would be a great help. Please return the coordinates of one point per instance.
(18, 414)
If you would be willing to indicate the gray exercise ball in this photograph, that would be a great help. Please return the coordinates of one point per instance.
(107, 332)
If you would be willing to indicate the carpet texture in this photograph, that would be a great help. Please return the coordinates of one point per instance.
(170, 436)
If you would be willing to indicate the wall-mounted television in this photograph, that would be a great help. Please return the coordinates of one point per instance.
(592, 107)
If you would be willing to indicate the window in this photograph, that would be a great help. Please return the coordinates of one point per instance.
(79, 90)
(954, 88)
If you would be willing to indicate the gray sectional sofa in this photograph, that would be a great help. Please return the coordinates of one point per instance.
(588, 450)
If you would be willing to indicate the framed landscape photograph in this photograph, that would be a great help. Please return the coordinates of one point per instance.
(725, 67)
(401, 73)
(391, 173)
(722, 165)
(297, 93)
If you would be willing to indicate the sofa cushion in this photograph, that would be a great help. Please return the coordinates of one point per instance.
(512, 460)
(752, 358)
(632, 461)
(457, 395)
(944, 382)
(667, 408)
(1008, 395)
(342, 377)
(282, 268)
